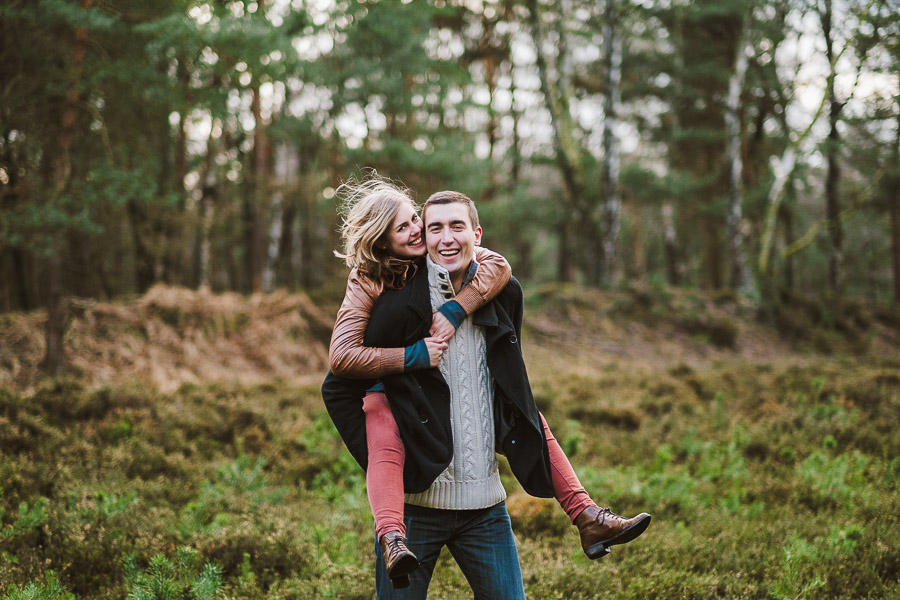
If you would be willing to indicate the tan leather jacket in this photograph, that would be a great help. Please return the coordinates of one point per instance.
(349, 358)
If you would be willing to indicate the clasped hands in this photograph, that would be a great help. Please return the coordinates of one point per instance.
(441, 331)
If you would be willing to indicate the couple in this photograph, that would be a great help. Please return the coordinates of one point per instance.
(428, 383)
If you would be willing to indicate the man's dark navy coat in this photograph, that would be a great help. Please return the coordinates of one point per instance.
(420, 400)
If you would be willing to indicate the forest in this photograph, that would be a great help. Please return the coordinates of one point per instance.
(748, 145)
(701, 199)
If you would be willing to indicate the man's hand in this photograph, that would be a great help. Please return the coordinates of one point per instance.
(436, 347)
(441, 327)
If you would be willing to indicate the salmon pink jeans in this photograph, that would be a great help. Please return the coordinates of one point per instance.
(384, 474)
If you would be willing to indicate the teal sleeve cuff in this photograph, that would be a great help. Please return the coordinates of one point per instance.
(416, 357)
(454, 312)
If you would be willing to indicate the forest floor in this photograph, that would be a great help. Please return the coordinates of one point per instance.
(187, 447)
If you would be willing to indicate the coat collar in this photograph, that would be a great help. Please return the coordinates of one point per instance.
(487, 316)
(419, 296)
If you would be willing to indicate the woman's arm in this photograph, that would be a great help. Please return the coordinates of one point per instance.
(492, 276)
(347, 355)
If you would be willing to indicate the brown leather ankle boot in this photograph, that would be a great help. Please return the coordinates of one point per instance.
(601, 528)
(398, 560)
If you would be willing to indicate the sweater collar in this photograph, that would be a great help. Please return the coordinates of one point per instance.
(439, 277)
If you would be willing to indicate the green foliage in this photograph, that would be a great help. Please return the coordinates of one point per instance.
(180, 579)
(239, 487)
(29, 517)
(841, 479)
(51, 589)
(803, 571)
(333, 473)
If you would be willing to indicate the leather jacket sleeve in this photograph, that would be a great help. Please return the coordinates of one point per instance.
(347, 354)
(491, 277)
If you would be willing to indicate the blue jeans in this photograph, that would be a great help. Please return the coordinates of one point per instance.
(481, 541)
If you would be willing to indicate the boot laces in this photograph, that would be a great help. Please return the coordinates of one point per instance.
(396, 545)
(607, 513)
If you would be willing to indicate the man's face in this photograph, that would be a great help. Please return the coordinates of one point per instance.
(450, 238)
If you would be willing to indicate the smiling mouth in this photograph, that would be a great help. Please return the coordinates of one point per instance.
(416, 242)
(448, 253)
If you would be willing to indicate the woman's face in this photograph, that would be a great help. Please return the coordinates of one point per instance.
(404, 238)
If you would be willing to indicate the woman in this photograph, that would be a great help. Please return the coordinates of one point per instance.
(383, 245)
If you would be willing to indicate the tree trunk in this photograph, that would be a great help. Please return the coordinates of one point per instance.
(26, 278)
(832, 148)
(490, 70)
(54, 359)
(637, 270)
(612, 44)
(894, 207)
(255, 213)
(564, 258)
(209, 190)
(567, 154)
(4, 282)
(895, 240)
(286, 163)
(787, 217)
(176, 261)
(740, 274)
(782, 168)
(610, 177)
(713, 254)
(674, 267)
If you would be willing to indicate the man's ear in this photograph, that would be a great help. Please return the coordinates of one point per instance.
(478, 236)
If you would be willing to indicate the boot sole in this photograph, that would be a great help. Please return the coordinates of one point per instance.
(400, 573)
(601, 549)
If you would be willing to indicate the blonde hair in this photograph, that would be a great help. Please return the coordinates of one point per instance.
(368, 208)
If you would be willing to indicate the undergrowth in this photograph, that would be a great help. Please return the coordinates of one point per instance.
(763, 482)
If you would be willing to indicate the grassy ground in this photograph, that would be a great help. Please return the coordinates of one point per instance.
(766, 479)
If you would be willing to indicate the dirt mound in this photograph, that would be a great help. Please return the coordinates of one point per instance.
(587, 329)
(172, 336)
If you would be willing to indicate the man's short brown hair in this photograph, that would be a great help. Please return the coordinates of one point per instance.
(448, 197)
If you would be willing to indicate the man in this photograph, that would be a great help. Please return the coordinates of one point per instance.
(454, 418)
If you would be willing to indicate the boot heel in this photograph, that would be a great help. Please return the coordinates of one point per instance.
(400, 582)
(598, 550)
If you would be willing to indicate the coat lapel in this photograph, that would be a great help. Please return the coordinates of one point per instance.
(420, 301)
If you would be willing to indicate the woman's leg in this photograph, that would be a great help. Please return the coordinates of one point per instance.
(384, 475)
(566, 487)
(598, 528)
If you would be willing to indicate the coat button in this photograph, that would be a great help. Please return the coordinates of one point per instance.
(513, 339)
(423, 418)
(513, 442)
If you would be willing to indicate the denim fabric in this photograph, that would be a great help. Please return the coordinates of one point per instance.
(481, 542)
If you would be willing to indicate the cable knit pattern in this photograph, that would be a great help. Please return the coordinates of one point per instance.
(472, 479)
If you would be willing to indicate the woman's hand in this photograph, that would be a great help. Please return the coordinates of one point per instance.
(436, 347)
(441, 327)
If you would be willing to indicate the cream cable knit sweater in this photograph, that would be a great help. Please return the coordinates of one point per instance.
(472, 479)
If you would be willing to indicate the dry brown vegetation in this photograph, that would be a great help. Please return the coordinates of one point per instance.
(172, 336)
